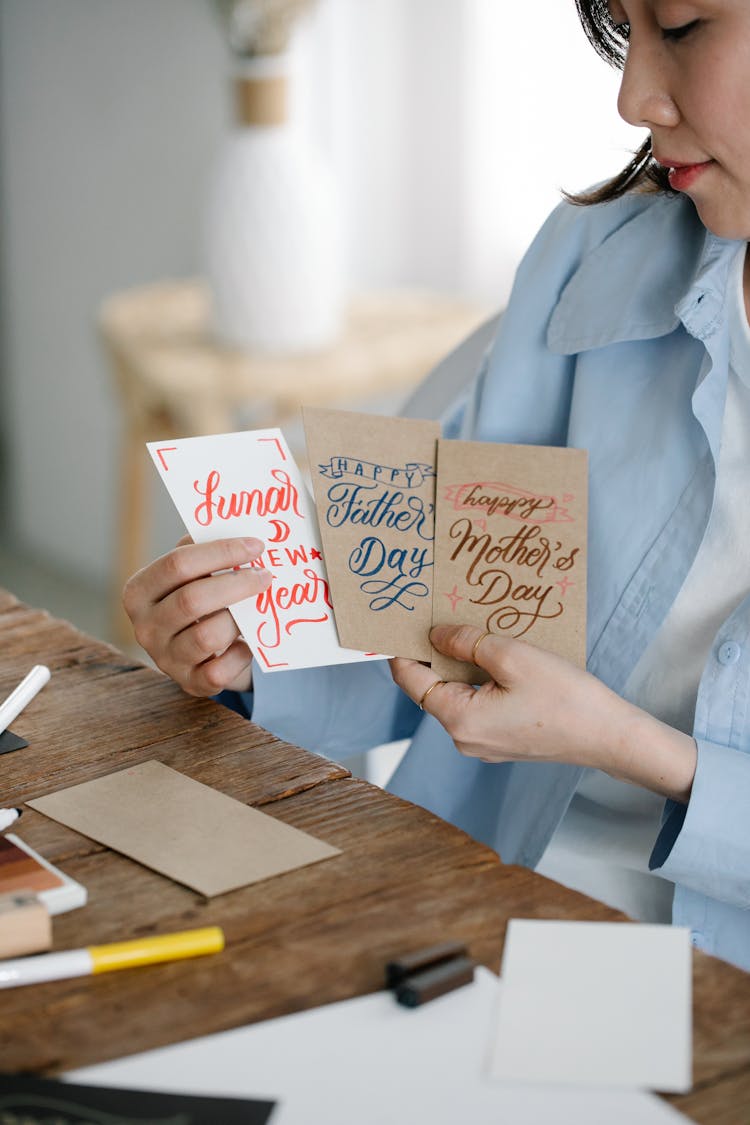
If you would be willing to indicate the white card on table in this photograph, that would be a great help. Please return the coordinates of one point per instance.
(248, 484)
(595, 1004)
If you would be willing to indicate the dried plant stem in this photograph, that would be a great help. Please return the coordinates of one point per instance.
(261, 27)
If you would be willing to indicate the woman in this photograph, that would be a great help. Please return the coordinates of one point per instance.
(626, 334)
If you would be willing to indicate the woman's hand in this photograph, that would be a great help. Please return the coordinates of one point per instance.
(539, 707)
(178, 608)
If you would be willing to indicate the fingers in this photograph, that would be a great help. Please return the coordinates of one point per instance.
(176, 572)
(462, 642)
(178, 609)
(535, 706)
(157, 625)
(202, 639)
(445, 700)
(205, 596)
(412, 677)
(457, 706)
(499, 656)
(184, 564)
(229, 670)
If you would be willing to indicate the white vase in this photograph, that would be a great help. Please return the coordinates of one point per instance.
(274, 257)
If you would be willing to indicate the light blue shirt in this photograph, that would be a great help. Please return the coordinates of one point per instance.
(615, 340)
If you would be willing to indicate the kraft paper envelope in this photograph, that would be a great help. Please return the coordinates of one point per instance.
(374, 484)
(510, 547)
(182, 829)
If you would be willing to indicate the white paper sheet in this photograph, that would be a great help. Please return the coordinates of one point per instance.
(373, 1062)
(595, 1003)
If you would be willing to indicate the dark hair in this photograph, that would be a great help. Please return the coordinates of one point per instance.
(642, 173)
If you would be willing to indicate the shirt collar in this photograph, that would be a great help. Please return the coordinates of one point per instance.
(657, 269)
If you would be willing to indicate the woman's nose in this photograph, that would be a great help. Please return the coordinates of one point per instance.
(645, 98)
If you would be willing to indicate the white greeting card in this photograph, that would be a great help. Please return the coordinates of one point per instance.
(248, 484)
(595, 1004)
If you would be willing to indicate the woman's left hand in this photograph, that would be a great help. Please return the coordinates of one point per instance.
(535, 706)
(539, 707)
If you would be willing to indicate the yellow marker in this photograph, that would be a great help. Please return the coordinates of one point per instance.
(106, 958)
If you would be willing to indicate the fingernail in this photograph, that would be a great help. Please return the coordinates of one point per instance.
(254, 546)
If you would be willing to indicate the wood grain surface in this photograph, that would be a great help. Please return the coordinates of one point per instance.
(405, 879)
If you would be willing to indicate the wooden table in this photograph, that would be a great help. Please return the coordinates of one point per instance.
(405, 879)
(176, 379)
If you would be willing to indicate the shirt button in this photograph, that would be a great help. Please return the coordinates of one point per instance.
(697, 939)
(729, 652)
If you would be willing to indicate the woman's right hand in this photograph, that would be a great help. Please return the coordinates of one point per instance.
(178, 608)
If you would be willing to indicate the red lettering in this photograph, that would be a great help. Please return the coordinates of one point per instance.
(281, 497)
(278, 600)
(296, 554)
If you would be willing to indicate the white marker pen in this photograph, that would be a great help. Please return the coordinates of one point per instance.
(8, 817)
(21, 696)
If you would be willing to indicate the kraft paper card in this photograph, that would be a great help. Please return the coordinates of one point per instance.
(595, 1004)
(248, 484)
(182, 829)
(510, 546)
(374, 484)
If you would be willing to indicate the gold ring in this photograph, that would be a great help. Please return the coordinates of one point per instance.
(476, 645)
(430, 688)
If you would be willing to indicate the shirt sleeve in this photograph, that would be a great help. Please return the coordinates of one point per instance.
(705, 845)
(339, 711)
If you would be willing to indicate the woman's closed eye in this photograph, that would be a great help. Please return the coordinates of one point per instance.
(673, 34)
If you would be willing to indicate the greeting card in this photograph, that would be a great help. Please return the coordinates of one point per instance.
(247, 484)
(185, 830)
(374, 485)
(510, 546)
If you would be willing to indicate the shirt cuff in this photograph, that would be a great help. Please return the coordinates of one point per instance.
(705, 845)
(239, 701)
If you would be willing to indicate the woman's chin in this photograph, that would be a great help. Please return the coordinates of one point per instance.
(733, 225)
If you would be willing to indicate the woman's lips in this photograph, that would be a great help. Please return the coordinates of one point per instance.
(682, 176)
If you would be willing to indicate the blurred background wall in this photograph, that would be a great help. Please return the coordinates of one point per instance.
(450, 126)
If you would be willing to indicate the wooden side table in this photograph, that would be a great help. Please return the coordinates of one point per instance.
(176, 380)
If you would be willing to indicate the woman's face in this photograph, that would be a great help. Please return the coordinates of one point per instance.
(687, 79)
